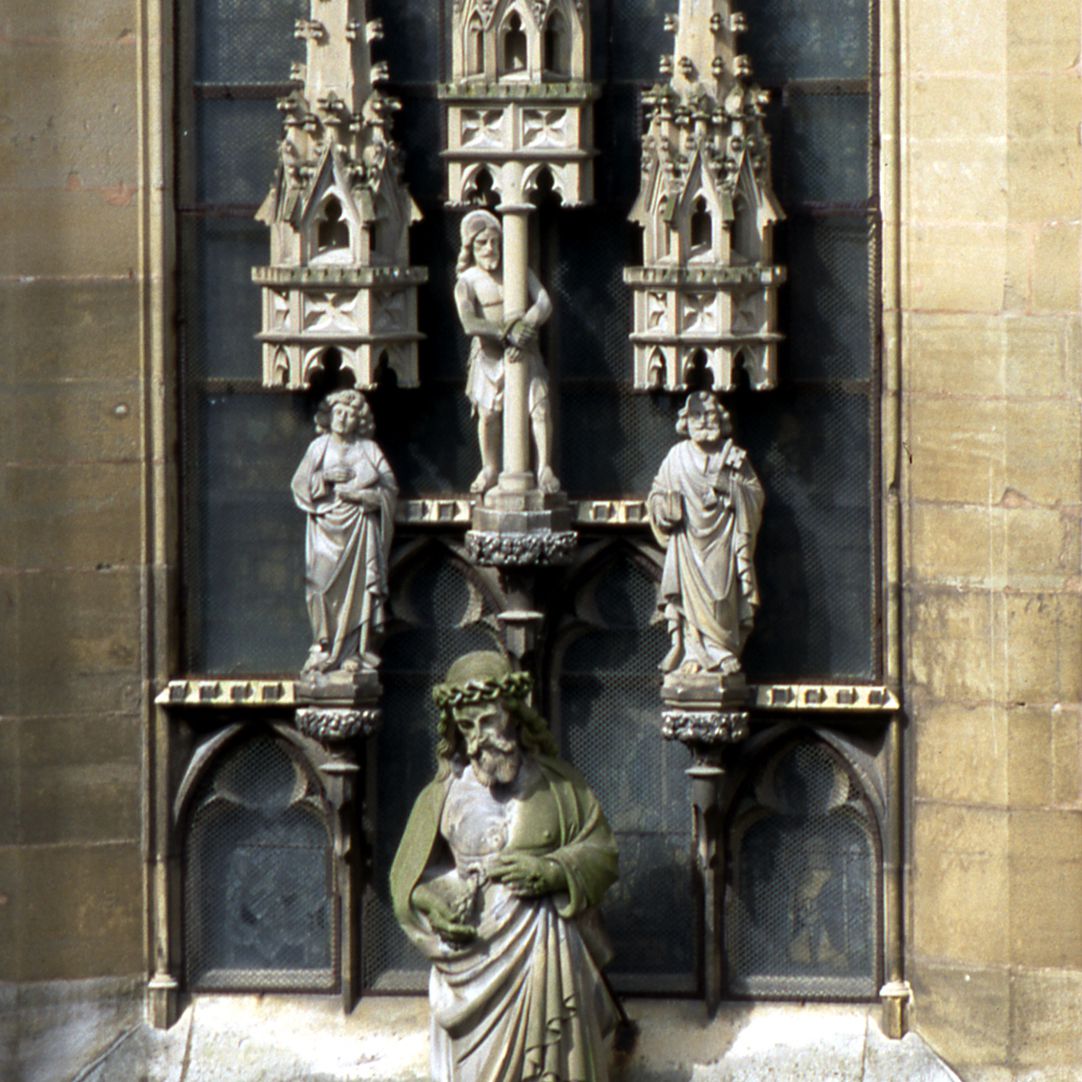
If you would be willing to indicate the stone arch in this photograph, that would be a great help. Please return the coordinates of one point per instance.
(803, 916)
(257, 865)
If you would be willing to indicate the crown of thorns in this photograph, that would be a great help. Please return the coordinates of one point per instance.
(513, 685)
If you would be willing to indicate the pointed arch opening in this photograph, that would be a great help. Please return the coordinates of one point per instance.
(258, 872)
(480, 189)
(332, 231)
(804, 890)
(475, 46)
(513, 46)
(697, 374)
(702, 225)
(556, 45)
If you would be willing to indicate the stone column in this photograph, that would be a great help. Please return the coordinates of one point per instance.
(516, 475)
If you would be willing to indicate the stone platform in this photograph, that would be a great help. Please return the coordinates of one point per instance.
(289, 1039)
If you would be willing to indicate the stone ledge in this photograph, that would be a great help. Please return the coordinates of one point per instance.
(281, 1039)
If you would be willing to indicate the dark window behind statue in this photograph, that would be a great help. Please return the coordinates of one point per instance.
(813, 441)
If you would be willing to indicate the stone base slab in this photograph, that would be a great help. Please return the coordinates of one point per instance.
(338, 688)
(285, 1038)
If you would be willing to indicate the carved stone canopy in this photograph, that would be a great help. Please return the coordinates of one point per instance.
(519, 101)
(705, 296)
(339, 277)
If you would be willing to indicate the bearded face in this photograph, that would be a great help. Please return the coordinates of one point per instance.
(491, 738)
(486, 250)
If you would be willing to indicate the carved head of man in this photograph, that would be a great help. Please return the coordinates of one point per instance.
(486, 720)
(704, 419)
(482, 236)
(346, 414)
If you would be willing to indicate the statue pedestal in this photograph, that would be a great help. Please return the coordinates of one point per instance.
(521, 529)
(708, 713)
(338, 706)
(338, 688)
(705, 708)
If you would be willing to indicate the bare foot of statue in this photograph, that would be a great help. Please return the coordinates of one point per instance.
(547, 481)
(485, 480)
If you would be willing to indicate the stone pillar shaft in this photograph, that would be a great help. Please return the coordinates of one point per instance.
(516, 475)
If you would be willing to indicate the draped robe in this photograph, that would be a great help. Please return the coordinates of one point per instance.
(709, 592)
(524, 1000)
(347, 545)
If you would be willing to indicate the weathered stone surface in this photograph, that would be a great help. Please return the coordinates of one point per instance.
(1046, 1026)
(79, 779)
(957, 449)
(92, 927)
(77, 516)
(59, 329)
(62, 1026)
(281, 1039)
(76, 132)
(94, 232)
(956, 649)
(26, 22)
(54, 424)
(968, 36)
(960, 753)
(960, 882)
(77, 629)
(935, 252)
(963, 1012)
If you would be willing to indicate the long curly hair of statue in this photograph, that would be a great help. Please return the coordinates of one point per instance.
(473, 225)
(700, 402)
(480, 677)
(366, 423)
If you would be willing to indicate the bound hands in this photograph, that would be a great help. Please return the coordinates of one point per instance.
(519, 336)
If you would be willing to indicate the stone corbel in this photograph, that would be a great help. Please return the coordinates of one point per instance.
(709, 731)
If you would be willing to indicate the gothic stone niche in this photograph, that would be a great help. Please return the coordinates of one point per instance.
(705, 296)
(258, 901)
(519, 100)
(804, 892)
(339, 215)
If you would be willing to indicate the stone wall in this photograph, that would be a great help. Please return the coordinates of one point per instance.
(71, 547)
(989, 492)
(992, 469)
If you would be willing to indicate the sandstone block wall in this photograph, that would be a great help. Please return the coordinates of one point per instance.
(71, 468)
(992, 461)
(990, 499)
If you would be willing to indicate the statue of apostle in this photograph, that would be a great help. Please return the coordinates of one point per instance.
(495, 342)
(705, 508)
(496, 878)
(348, 491)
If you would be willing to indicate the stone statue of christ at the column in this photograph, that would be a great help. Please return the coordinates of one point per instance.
(497, 342)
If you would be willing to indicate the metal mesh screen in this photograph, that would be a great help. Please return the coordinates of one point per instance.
(808, 39)
(803, 895)
(811, 441)
(440, 612)
(607, 709)
(246, 41)
(822, 154)
(258, 904)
